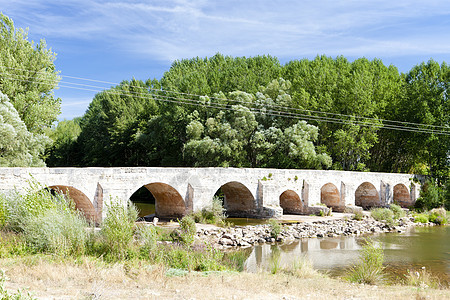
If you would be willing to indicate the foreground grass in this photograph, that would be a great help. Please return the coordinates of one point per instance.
(88, 278)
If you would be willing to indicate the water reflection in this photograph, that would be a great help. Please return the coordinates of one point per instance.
(429, 247)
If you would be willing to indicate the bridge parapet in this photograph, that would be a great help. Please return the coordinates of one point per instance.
(247, 192)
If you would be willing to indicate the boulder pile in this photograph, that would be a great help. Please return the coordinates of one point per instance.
(247, 236)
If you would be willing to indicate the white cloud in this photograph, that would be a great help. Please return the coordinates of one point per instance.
(169, 30)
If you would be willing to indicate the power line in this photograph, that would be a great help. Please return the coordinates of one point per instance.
(232, 100)
(256, 110)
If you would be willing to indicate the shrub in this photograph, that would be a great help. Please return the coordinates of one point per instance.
(358, 215)
(35, 202)
(370, 269)
(431, 196)
(438, 216)
(187, 230)
(421, 218)
(383, 214)
(275, 228)
(3, 212)
(57, 231)
(214, 214)
(117, 227)
(147, 237)
(397, 210)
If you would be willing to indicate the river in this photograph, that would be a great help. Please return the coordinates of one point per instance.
(419, 247)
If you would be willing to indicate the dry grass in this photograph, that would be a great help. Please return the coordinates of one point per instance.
(91, 279)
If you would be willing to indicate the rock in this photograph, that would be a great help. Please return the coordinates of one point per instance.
(226, 242)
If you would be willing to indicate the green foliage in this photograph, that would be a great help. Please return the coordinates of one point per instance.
(215, 214)
(370, 268)
(438, 216)
(113, 130)
(397, 210)
(64, 150)
(187, 230)
(383, 214)
(3, 211)
(34, 203)
(202, 258)
(118, 227)
(275, 260)
(431, 196)
(275, 228)
(57, 231)
(32, 95)
(358, 215)
(18, 146)
(421, 218)
(242, 138)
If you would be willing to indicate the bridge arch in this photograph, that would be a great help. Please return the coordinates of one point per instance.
(367, 196)
(82, 202)
(329, 195)
(402, 196)
(168, 201)
(238, 201)
(291, 203)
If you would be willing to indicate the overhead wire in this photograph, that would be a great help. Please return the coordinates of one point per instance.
(233, 100)
(280, 113)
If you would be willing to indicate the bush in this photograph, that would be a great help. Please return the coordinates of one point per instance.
(397, 210)
(431, 196)
(370, 269)
(33, 204)
(421, 218)
(57, 231)
(275, 228)
(3, 212)
(187, 230)
(358, 215)
(438, 216)
(147, 237)
(383, 214)
(117, 227)
(215, 214)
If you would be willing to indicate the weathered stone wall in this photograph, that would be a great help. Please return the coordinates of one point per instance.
(248, 192)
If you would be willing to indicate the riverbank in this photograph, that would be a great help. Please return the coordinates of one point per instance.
(86, 278)
(298, 227)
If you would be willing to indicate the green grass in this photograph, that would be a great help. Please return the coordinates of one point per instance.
(383, 214)
(275, 228)
(420, 218)
(370, 268)
(38, 222)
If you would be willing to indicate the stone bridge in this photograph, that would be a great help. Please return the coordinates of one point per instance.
(247, 192)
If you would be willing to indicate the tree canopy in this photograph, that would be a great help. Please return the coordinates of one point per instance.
(18, 146)
(255, 112)
(28, 76)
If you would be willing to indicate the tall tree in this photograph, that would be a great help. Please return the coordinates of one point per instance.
(350, 92)
(239, 137)
(28, 76)
(18, 146)
(111, 127)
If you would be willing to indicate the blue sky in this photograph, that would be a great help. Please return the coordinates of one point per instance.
(116, 40)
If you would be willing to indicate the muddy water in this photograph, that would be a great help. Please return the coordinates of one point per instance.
(427, 247)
